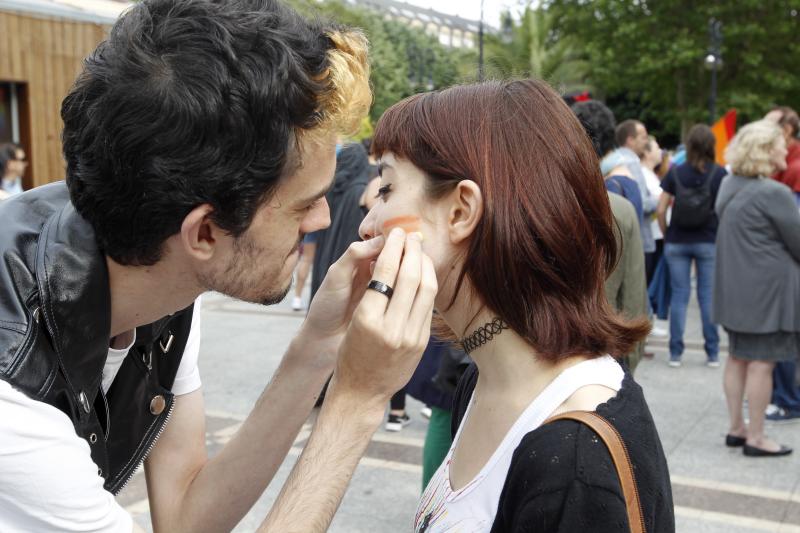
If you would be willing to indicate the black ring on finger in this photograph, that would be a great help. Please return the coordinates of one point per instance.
(381, 287)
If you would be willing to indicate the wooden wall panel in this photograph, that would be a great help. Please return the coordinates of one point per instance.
(46, 54)
(5, 59)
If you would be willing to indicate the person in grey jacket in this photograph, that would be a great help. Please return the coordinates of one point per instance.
(757, 279)
(631, 137)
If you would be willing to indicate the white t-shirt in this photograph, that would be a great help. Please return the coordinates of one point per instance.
(472, 508)
(48, 481)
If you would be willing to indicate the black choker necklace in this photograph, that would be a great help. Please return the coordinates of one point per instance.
(483, 334)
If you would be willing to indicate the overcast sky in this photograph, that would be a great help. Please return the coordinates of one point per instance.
(470, 9)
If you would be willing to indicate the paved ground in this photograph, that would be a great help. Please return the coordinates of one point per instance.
(716, 489)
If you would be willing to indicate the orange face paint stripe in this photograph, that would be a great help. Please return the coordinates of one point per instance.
(407, 223)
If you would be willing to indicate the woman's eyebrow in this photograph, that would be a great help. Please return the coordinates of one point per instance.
(383, 166)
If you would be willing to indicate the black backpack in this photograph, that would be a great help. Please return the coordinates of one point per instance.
(694, 206)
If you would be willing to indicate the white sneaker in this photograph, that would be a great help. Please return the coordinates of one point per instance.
(674, 363)
(426, 412)
(659, 332)
(297, 303)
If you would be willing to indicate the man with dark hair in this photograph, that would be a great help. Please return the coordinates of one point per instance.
(200, 142)
(599, 123)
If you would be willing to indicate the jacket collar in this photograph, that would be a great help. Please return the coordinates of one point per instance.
(75, 298)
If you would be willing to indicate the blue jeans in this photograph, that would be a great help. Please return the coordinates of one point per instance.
(679, 258)
(785, 391)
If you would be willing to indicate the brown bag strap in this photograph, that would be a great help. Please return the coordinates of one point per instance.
(619, 454)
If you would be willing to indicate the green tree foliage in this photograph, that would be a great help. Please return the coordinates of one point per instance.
(529, 47)
(404, 60)
(648, 55)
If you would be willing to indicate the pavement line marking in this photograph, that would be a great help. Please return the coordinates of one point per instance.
(225, 414)
(691, 351)
(391, 465)
(736, 520)
(735, 488)
(225, 434)
(377, 437)
(392, 439)
(376, 463)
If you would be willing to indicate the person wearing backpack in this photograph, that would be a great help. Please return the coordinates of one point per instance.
(690, 237)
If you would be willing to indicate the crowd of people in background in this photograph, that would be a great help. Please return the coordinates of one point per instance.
(742, 248)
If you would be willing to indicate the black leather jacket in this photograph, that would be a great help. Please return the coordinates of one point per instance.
(55, 318)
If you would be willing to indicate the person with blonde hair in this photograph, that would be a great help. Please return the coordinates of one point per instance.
(757, 279)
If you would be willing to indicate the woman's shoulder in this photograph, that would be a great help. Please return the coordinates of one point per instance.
(772, 188)
(565, 451)
(762, 193)
(555, 455)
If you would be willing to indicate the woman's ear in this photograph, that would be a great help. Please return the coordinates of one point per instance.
(466, 210)
(199, 233)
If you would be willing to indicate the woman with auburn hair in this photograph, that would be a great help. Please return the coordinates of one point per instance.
(757, 279)
(505, 187)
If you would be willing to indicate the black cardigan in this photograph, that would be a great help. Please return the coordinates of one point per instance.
(562, 477)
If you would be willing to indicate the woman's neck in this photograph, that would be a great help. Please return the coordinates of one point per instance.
(507, 363)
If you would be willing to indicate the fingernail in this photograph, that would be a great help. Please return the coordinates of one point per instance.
(397, 232)
(416, 235)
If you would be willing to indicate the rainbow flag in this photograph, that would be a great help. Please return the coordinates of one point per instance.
(724, 130)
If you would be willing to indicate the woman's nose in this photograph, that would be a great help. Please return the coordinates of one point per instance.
(367, 228)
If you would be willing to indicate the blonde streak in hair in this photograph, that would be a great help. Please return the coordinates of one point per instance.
(350, 97)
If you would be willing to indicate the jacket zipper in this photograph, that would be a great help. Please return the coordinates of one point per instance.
(108, 413)
(150, 446)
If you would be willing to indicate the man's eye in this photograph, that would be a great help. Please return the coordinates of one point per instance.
(383, 191)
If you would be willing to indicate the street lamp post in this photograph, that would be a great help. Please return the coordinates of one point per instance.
(480, 46)
(713, 60)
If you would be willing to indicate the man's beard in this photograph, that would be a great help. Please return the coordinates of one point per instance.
(275, 297)
(237, 278)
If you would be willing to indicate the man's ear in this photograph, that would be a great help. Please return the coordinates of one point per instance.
(466, 210)
(199, 233)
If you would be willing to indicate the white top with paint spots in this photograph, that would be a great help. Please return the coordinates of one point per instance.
(472, 508)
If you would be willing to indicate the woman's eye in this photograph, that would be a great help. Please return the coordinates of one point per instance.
(383, 192)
